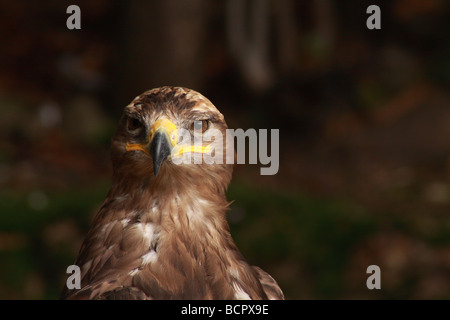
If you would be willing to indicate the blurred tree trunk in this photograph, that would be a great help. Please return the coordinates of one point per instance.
(249, 41)
(162, 43)
(262, 37)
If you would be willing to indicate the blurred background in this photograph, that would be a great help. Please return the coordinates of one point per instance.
(364, 119)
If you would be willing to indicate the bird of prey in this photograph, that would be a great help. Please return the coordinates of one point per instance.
(162, 232)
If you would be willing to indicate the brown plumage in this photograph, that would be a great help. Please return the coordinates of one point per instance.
(162, 231)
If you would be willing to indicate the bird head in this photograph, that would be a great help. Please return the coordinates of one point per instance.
(172, 132)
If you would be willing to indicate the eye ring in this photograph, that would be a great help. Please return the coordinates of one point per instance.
(134, 124)
(200, 125)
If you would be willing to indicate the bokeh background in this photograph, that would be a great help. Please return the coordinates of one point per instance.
(364, 119)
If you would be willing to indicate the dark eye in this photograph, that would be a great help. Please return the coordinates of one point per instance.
(200, 125)
(134, 124)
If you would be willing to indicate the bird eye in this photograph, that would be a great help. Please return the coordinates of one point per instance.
(134, 124)
(200, 125)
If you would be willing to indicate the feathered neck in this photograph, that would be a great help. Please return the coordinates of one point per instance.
(192, 249)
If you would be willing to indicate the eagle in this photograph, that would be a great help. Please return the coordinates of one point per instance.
(162, 232)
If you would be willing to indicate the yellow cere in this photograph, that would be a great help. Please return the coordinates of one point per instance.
(135, 147)
(166, 125)
(194, 149)
(171, 129)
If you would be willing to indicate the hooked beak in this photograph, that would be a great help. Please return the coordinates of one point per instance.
(160, 150)
(162, 139)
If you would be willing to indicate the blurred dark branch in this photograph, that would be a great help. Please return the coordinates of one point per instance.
(249, 41)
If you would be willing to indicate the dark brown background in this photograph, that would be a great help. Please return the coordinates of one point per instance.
(364, 119)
